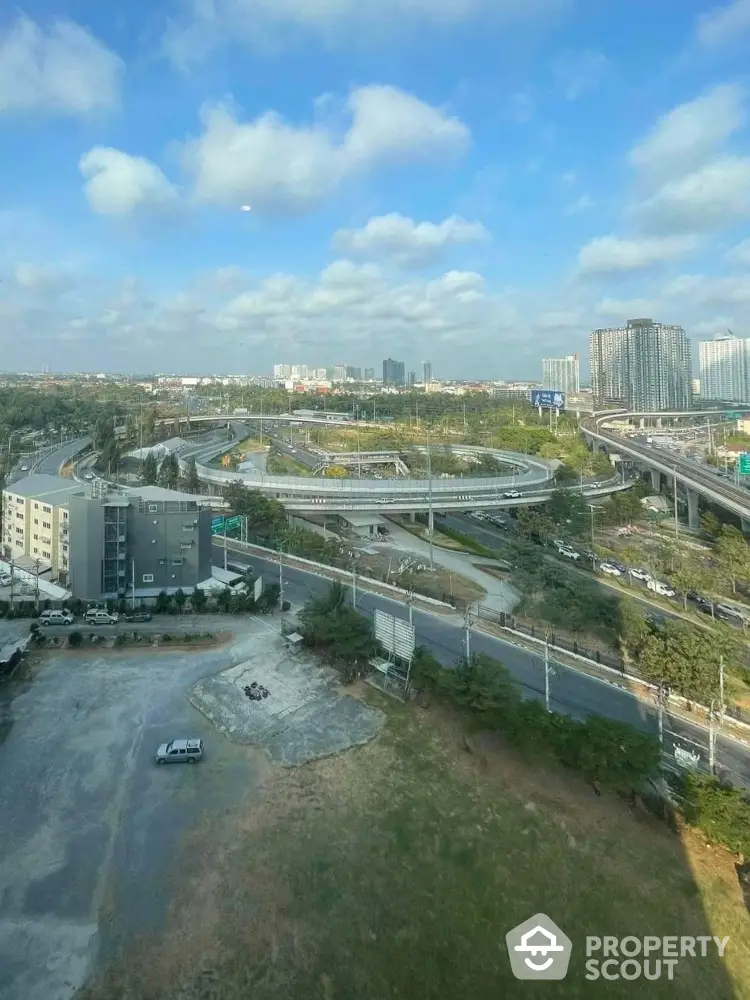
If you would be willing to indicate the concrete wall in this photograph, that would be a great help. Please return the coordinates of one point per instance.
(171, 545)
(86, 519)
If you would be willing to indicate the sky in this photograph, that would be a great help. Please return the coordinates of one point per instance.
(478, 183)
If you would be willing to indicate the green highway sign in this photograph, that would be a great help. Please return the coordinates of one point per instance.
(743, 464)
(733, 416)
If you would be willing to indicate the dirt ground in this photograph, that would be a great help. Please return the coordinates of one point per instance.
(438, 583)
(395, 871)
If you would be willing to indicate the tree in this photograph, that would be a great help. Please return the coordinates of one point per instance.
(689, 575)
(262, 513)
(179, 599)
(710, 525)
(198, 601)
(149, 470)
(683, 656)
(732, 555)
(192, 483)
(169, 472)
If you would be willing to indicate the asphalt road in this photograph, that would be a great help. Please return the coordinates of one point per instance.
(50, 464)
(573, 693)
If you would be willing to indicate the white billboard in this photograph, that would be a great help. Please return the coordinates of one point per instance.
(395, 635)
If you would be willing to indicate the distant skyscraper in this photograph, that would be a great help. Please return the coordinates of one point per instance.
(282, 371)
(411, 378)
(426, 371)
(339, 372)
(369, 374)
(393, 372)
(354, 373)
(643, 366)
(725, 369)
(562, 374)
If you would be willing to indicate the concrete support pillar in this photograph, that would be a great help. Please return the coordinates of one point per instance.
(658, 421)
(413, 516)
(655, 481)
(745, 526)
(430, 522)
(642, 423)
(693, 511)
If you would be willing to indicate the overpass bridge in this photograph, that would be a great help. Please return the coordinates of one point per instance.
(697, 480)
(529, 482)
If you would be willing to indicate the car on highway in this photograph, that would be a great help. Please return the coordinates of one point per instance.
(47, 618)
(609, 569)
(89, 475)
(663, 589)
(137, 616)
(511, 495)
(640, 574)
(180, 752)
(730, 612)
(24, 468)
(569, 553)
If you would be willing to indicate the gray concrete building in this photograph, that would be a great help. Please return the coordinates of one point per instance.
(137, 543)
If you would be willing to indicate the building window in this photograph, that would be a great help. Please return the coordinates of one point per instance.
(148, 577)
(36, 538)
(46, 555)
(36, 520)
(177, 562)
(153, 508)
(47, 510)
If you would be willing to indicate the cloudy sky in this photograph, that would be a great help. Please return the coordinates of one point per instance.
(477, 182)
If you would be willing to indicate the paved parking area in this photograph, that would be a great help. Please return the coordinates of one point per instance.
(90, 828)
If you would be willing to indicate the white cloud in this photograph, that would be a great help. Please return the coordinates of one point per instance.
(406, 242)
(578, 73)
(716, 196)
(272, 23)
(278, 167)
(582, 204)
(118, 184)
(610, 255)
(725, 25)
(690, 135)
(41, 278)
(65, 70)
(620, 310)
(701, 290)
(739, 255)
(522, 106)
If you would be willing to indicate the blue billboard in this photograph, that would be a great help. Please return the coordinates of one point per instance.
(550, 398)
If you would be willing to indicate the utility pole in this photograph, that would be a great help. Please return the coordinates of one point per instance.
(261, 417)
(676, 519)
(225, 543)
(711, 738)
(467, 636)
(354, 585)
(132, 580)
(661, 714)
(281, 578)
(430, 516)
(721, 688)
(36, 584)
(410, 606)
(546, 672)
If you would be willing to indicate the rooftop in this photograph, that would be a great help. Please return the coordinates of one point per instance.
(161, 493)
(53, 490)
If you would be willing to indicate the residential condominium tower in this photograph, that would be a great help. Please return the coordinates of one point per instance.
(393, 372)
(643, 366)
(725, 369)
(562, 374)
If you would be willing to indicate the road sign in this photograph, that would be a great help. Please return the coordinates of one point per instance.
(221, 524)
(733, 415)
(550, 398)
(743, 463)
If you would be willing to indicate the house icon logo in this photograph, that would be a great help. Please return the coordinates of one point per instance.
(538, 949)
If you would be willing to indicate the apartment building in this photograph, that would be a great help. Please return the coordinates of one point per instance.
(36, 524)
(562, 374)
(137, 542)
(725, 369)
(644, 366)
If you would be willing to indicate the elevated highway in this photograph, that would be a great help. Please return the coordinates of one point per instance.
(695, 479)
(529, 482)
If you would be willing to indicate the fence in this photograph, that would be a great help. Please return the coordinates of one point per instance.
(505, 620)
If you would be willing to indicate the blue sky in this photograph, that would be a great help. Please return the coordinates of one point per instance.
(477, 182)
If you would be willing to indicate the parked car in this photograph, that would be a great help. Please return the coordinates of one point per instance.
(609, 569)
(569, 553)
(640, 574)
(138, 616)
(180, 752)
(56, 618)
(730, 612)
(663, 589)
(95, 616)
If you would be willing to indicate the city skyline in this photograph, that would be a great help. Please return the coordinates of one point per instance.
(486, 195)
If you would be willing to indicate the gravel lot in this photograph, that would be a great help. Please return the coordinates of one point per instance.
(90, 828)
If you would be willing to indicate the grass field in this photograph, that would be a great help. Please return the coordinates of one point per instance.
(396, 870)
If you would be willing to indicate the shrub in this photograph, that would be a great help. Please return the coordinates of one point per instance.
(75, 639)
(120, 639)
(720, 812)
